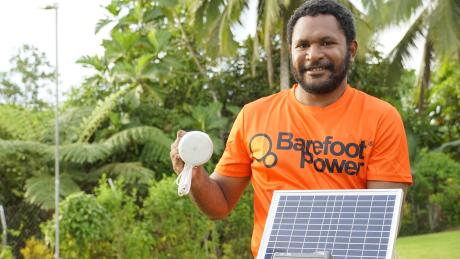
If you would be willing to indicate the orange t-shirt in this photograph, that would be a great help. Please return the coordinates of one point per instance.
(284, 145)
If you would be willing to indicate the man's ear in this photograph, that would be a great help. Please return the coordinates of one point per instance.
(353, 50)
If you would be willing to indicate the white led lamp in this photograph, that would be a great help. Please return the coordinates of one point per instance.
(195, 148)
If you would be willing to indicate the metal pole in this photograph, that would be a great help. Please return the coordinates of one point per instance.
(55, 7)
(3, 219)
(56, 138)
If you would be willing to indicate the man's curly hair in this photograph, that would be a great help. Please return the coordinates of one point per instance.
(316, 7)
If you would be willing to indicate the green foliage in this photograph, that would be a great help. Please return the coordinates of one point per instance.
(118, 224)
(5, 252)
(367, 74)
(175, 222)
(443, 108)
(23, 124)
(40, 189)
(90, 124)
(434, 197)
(133, 172)
(84, 226)
(129, 237)
(159, 141)
(236, 230)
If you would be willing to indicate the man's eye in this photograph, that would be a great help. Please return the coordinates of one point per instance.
(326, 43)
(303, 45)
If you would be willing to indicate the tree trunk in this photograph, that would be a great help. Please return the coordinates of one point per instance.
(425, 83)
(269, 50)
(284, 53)
(255, 54)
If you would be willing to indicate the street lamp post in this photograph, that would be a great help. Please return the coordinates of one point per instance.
(55, 7)
(3, 221)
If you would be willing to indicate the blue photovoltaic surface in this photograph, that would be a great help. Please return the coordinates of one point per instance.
(349, 226)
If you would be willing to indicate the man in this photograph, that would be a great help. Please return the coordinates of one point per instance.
(321, 134)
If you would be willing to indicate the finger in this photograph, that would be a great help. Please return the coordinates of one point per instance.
(180, 133)
(178, 166)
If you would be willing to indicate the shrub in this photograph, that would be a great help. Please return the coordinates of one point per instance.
(435, 196)
(5, 252)
(236, 231)
(179, 229)
(36, 249)
(83, 227)
(128, 235)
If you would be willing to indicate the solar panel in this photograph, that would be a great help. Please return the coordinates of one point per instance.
(347, 223)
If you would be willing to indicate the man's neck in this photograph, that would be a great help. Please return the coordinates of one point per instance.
(320, 100)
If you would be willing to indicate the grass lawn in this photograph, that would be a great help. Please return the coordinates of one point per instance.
(444, 245)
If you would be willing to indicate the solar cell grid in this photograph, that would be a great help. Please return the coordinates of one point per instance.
(349, 224)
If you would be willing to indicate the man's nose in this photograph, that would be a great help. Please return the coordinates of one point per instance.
(314, 53)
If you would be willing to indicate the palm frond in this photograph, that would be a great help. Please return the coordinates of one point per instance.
(452, 144)
(83, 153)
(401, 52)
(24, 124)
(70, 121)
(364, 30)
(96, 62)
(444, 23)
(220, 27)
(10, 147)
(156, 141)
(92, 123)
(401, 11)
(101, 24)
(131, 171)
(40, 190)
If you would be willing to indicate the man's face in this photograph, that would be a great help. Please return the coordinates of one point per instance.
(319, 53)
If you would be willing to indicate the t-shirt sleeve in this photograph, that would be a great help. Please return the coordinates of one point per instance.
(389, 160)
(235, 160)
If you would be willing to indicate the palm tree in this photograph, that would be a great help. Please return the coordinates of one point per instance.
(437, 22)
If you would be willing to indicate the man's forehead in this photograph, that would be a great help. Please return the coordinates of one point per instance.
(321, 25)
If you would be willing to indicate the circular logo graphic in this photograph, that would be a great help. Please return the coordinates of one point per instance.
(261, 149)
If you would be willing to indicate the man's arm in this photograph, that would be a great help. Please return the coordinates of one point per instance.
(215, 195)
(390, 185)
(386, 185)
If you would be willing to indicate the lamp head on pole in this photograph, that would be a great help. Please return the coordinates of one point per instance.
(50, 7)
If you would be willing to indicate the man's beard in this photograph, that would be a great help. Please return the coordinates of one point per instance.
(328, 85)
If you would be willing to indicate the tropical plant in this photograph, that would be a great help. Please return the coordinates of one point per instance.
(443, 106)
(84, 225)
(437, 22)
(433, 200)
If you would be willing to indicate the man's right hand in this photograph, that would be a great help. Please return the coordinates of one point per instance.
(176, 161)
(215, 195)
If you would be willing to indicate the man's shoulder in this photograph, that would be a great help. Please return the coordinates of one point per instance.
(268, 101)
(373, 104)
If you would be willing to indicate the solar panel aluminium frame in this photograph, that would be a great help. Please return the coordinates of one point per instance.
(398, 193)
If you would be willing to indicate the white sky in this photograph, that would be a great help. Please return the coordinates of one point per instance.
(24, 22)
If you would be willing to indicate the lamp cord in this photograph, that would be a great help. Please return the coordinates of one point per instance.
(184, 180)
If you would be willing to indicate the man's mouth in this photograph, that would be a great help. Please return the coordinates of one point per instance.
(317, 70)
